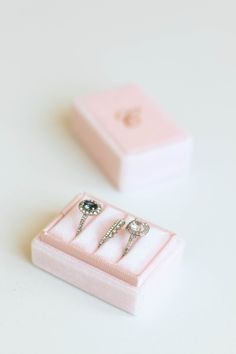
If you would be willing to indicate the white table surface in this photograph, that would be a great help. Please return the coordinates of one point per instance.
(184, 54)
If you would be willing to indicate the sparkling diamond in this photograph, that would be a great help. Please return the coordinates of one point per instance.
(138, 227)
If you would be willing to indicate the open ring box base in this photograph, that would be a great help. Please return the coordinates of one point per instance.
(127, 282)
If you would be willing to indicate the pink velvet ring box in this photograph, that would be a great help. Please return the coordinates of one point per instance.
(132, 141)
(124, 282)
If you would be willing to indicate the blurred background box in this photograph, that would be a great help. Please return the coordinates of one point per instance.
(130, 138)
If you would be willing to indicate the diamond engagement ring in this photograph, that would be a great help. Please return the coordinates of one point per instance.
(136, 228)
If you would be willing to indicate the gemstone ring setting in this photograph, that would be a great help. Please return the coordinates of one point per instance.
(136, 228)
(88, 208)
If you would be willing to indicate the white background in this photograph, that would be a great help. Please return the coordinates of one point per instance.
(184, 53)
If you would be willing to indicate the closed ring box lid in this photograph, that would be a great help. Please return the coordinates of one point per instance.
(133, 142)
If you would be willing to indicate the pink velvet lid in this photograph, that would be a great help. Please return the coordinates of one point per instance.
(133, 142)
(131, 119)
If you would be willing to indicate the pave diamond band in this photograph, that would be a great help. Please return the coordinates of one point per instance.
(116, 226)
